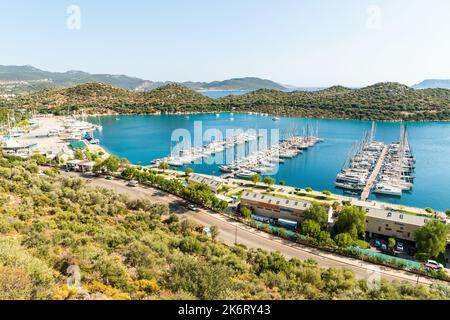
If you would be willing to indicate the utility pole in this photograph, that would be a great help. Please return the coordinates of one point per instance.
(235, 236)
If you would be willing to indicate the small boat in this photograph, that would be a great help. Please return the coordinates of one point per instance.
(276, 119)
(245, 174)
(387, 190)
(225, 169)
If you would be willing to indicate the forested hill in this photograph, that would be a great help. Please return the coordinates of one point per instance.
(383, 101)
(103, 99)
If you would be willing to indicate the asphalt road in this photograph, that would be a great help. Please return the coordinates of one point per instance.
(251, 238)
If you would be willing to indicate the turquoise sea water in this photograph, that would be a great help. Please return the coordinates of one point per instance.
(220, 94)
(144, 138)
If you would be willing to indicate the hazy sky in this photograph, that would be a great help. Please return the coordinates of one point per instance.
(302, 42)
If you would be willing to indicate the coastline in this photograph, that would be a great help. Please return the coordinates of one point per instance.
(250, 113)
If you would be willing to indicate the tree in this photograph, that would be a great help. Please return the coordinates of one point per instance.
(223, 205)
(429, 210)
(163, 166)
(124, 162)
(246, 212)
(447, 213)
(40, 158)
(78, 154)
(317, 213)
(188, 172)
(432, 238)
(351, 220)
(325, 237)
(311, 228)
(309, 189)
(392, 243)
(282, 183)
(344, 240)
(214, 232)
(112, 164)
(269, 181)
(255, 179)
(326, 192)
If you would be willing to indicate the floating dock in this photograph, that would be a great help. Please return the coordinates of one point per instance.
(370, 182)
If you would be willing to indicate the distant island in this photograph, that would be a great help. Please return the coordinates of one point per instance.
(382, 101)
(433, 84)
(16, 80)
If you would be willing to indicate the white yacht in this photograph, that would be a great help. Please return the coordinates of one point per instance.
(245, 174)
(387, 189)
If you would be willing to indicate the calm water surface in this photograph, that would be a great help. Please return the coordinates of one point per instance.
(144, 138)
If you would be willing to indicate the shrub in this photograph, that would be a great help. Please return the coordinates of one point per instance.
(344, 240)
(311, 228)
(362, 244)
(246, 212)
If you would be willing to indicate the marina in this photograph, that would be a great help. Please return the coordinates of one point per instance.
(143, 138)
(378, 168)
(188, 156)
(267, 161)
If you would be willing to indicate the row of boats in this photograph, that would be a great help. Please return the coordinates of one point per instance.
(190, 155)
(395, 174)
(354, 178)
(266, 161)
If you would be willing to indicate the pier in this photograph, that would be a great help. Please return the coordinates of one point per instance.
(374, 175)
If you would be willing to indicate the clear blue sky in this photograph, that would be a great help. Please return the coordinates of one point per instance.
(299, 42)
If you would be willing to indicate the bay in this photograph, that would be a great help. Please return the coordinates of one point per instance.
(143, 138)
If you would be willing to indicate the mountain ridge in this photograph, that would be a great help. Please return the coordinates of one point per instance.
(36, 79)
(433, 84)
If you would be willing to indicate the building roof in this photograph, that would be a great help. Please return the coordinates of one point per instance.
(397, 217)
(75, 162)
(278, 201)
(224, 198)
(201, 179)
(78, 145)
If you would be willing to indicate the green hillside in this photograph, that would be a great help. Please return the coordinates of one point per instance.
(383, 101)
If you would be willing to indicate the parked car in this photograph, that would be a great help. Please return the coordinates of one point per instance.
(192, 207)
(132, 183)
(411, 251)
(377, 243)
(399, 247)
(433, 265)
(109, 178)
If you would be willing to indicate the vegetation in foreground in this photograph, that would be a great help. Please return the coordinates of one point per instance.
(383, 101)
(51, 226)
